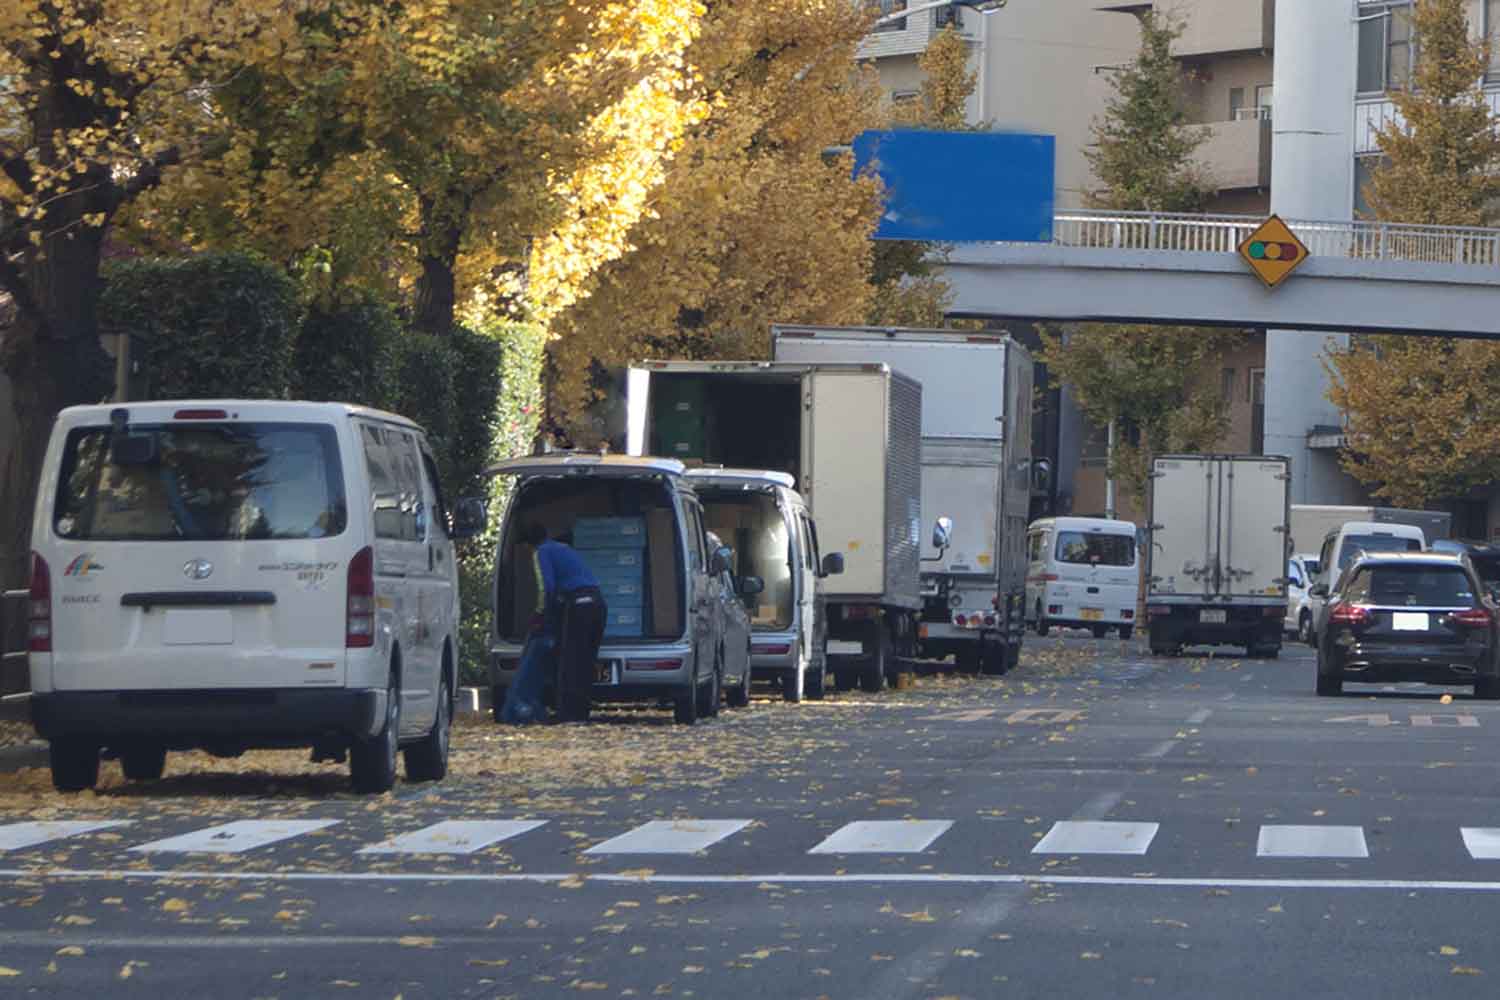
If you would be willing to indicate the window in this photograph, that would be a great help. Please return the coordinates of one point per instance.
(1236, 103)
(944, 16)
(1226, 384)
(1492, 32)
(696, 555)
(1364, 173)
(886, 8)
(1094, 548)
(1357, 545)
(1294, 574)
(1263, 100)
(208, 482)
(1256, 389)
(1386, 50)
(1411, 586)
(435, 485)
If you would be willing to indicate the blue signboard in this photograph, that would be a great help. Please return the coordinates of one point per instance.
(959, 187)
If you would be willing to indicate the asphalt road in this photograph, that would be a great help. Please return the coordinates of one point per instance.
(1099, 823)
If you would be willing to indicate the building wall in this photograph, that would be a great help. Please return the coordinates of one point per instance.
(1209, 80)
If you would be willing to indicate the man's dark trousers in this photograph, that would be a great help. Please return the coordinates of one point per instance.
(582, 630)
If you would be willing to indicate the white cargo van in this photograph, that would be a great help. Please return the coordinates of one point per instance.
(1082, 573)
(1345, 544)
(227, 575)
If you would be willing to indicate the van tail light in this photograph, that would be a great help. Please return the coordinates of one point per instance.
(653, 664)
(1349, 614)
(1473, 617)
(39, 607)
(359, 628)
(778, 649)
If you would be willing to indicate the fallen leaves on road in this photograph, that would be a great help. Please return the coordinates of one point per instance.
(489, 963)
(1447, 949)
(7, 971)
(175, 905)
(1466, 970)
(415, 941)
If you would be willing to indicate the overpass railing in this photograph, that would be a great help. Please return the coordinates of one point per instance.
(1105, 230)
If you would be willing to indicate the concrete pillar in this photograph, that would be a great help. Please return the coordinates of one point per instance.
(1312, 177)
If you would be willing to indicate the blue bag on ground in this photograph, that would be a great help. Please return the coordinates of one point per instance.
(523, 701)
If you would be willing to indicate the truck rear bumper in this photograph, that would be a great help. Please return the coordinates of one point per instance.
(1176, 625)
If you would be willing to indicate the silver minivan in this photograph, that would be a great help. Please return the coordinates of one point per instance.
(768, 525)
(639, 526)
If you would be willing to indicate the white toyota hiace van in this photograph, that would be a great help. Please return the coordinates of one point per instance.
(229, 575)
(1081, 573)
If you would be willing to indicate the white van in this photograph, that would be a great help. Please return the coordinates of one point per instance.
(1082, 573)
(768, 525)
(227, 575)
(1346, 544)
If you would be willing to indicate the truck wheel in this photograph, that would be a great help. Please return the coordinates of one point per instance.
(372, 759)
(1042, 627)
(497, 700)
(1013, 656)
(1100, 631)
(969, 661)
(428, 760)
(1487, 688)
(1126, 631)
(872, 677)
(143, 761)
(1330, 685)
(994, 659)
(75, 764)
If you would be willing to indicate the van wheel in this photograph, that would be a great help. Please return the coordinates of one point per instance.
(1304, 628)
(872, 677)
(817, 678)
(1126, 631)
(75, 764)
(708, 695)
(143, 761)
(685, 705)
(793, 683)
(372, 759)
(428, 760)
(497, 700)
(739, 695)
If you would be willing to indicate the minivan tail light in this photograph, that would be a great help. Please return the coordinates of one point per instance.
(39, 607)
(1475, 617)
(359, 628)
(1349, 614)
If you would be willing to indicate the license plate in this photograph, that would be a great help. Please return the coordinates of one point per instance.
(1093, 614)
(607, 672)
(1410, 621)
(1218, 617)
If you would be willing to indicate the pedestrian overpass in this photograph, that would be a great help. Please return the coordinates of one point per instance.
(1136, 267)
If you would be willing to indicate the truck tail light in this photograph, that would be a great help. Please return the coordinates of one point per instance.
(39, 607)
(989, 620)
(1128, 614)
(1473, 617)
(359, 628)
(1157, 611)
(860, 612)
(1349, 614)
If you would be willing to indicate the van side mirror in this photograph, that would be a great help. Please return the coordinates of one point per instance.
(751, 585)
(470, 518)
(833, 564)
(942, 533)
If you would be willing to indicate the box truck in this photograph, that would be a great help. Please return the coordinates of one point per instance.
(850, 437)
(1217, 552)
(1311, 523)
(976, 470)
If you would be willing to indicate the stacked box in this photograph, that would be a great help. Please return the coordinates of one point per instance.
(614, 549)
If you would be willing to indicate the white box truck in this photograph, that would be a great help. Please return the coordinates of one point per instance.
(976, 470)
(850, 436)
(1217, 552)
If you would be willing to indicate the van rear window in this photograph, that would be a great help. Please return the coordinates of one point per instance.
(1357, 545)
(1091, 548)
(207, 482)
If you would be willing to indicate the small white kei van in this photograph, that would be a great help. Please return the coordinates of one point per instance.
(227, 575)
(1082, 573)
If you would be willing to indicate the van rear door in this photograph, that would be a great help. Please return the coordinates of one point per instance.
(212, 555)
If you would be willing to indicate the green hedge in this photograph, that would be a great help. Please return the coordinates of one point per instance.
(346, 352)
(212, 325)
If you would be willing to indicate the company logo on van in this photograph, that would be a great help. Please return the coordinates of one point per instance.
(83, 566)
(197, 569)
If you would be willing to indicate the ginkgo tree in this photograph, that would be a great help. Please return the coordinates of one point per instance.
(99, 98)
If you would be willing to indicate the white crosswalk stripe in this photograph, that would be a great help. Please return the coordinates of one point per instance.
(233, 838)
(671, 836)
(455, 836)
(1483, 842)
(1291, 841)
(16, 836)
(1097, 837)
(905, 836)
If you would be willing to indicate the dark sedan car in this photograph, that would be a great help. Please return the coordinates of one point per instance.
(1418, 616)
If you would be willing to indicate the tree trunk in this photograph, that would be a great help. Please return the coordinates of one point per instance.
(437, 287)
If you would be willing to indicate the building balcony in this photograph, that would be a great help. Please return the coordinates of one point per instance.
(1215, 27)
(1237, 154)
(913, 36)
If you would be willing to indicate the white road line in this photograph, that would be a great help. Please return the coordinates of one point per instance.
(1483, 842)
(1099, 806)
(902, 836)
(1199, 717)
(241, 835)
(753, 881)
(211, 940)
(671, 836)
(15, 836)
(1073, 837)
(1160, 750)
(455, 836)
(1287, 841)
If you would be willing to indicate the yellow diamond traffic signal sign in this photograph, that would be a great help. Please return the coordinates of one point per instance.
(1273, 251)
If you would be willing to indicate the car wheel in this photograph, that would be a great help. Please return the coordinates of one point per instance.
(372, 759)
(685, 705)
(708, 704)
(1305, 629)
(143, 761)
(739, 695)
(816, 679)
(75, 764)
(872, 676)
(428, 760)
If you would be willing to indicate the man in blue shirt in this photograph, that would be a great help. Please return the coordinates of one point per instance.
(572, 612)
